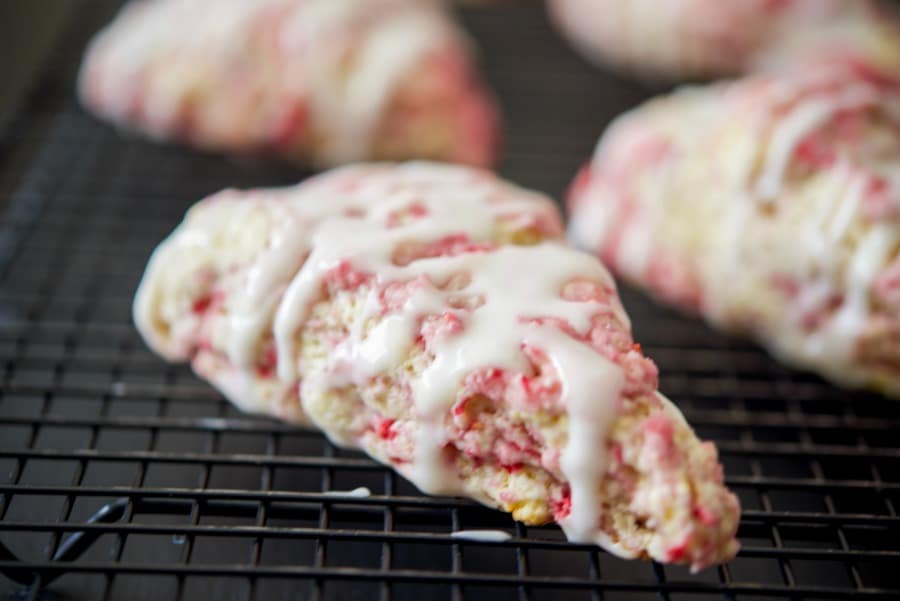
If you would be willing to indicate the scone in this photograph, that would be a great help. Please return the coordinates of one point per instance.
(770, 206)
(691, 39)
(319, 81)
(433, 317)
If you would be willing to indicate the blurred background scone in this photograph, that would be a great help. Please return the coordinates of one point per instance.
(770, 205)
(321, 81)
(695, 39)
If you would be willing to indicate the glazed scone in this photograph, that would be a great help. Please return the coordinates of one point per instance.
(433, 317)
(319, 81)
(770, 206)
(691, 39)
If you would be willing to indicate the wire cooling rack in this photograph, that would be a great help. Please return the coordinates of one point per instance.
(125, 478)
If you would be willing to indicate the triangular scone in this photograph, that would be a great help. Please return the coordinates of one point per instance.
(687, 39)
(770, 206)
(324, 81)
(432, 317)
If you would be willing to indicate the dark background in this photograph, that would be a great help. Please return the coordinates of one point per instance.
(219, 505)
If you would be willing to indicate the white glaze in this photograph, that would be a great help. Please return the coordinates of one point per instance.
(482, 536)
(351, 109)
(828, 202)
(591, 388)
(869, 259)
(848, 192)
(593, 221)
(515, 282)
(369, 247)
(797, 124)
(364, 355)
(360, 492)
(256, 299)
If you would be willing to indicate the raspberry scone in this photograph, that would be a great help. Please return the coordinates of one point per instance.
(688, 39)
(771, 206)
(433, 317)
(323, 81)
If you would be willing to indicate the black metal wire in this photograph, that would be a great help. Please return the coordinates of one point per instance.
(213, 504)
(71, 549)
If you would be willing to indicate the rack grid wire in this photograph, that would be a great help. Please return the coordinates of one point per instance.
(208, 503)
